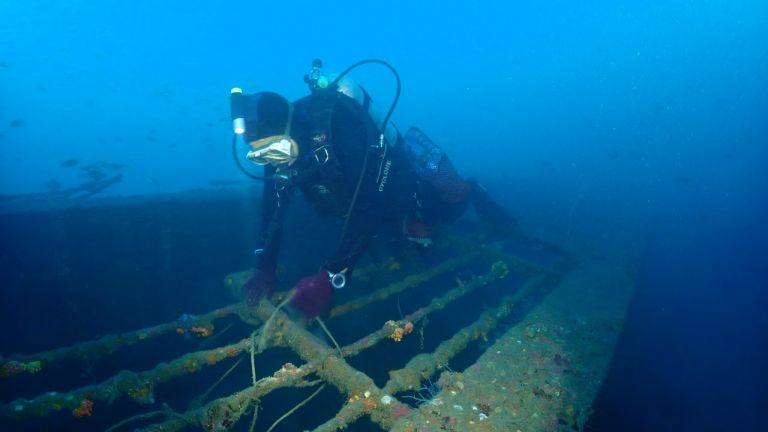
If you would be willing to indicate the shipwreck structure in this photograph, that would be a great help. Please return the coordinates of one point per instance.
(493, 332)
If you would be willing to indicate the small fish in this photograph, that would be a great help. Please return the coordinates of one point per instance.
(70, 163)
(93, 172)
(17, 123)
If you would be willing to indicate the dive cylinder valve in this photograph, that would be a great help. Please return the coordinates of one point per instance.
(237, 111)
(315, 78)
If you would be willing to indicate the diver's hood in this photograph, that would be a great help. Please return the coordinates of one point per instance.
(266, 114)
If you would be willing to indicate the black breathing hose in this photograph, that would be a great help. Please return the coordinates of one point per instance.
(363, 169)
(239, 165)
(397, 80)
(333, 85)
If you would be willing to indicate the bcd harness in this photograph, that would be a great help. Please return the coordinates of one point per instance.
(320, 164)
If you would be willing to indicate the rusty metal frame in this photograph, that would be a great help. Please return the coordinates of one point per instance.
(323, 362)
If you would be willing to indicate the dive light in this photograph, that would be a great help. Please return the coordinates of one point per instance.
(236, 110)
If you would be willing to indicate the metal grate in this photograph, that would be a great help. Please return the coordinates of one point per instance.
(322, 363)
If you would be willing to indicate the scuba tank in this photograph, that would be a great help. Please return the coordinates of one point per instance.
(348, 87)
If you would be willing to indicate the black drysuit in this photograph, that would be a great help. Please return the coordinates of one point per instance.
(334, 133)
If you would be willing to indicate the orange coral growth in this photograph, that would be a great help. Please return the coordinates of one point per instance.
(408, 327)
(12, 368)
(190, 366)
(202, 331)
(84, 410)
(143, 394)
(397, 334)
(369, 404)
(211, 359)
(398, 410)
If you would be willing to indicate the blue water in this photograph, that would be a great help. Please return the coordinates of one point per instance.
(635, 129)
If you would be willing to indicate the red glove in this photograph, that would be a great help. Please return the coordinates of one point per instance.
(313, 293)
(260, 285)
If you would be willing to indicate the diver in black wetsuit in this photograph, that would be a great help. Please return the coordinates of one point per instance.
(331, 146)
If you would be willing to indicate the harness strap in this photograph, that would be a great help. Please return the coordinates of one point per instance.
(319, 107)
(322, 103)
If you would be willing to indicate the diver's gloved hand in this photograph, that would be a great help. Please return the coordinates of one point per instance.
(260, 285)
(313, 293)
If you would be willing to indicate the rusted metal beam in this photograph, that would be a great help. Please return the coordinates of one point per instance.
(108, 344)
(408, 282)
(498, 270)
(137, 385)
(423, 366)
(357, 386)
(364, 396)
(222, 413)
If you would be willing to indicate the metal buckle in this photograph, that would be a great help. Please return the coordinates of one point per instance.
(338, 280)
(327, 156)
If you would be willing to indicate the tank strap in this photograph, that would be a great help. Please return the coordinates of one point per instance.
(321, 105)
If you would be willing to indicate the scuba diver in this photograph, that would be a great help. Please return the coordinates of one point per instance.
(333, 147)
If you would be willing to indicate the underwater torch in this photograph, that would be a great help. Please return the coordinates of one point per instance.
(236, 110)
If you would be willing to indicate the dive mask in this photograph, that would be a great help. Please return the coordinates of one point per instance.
(273, 150)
